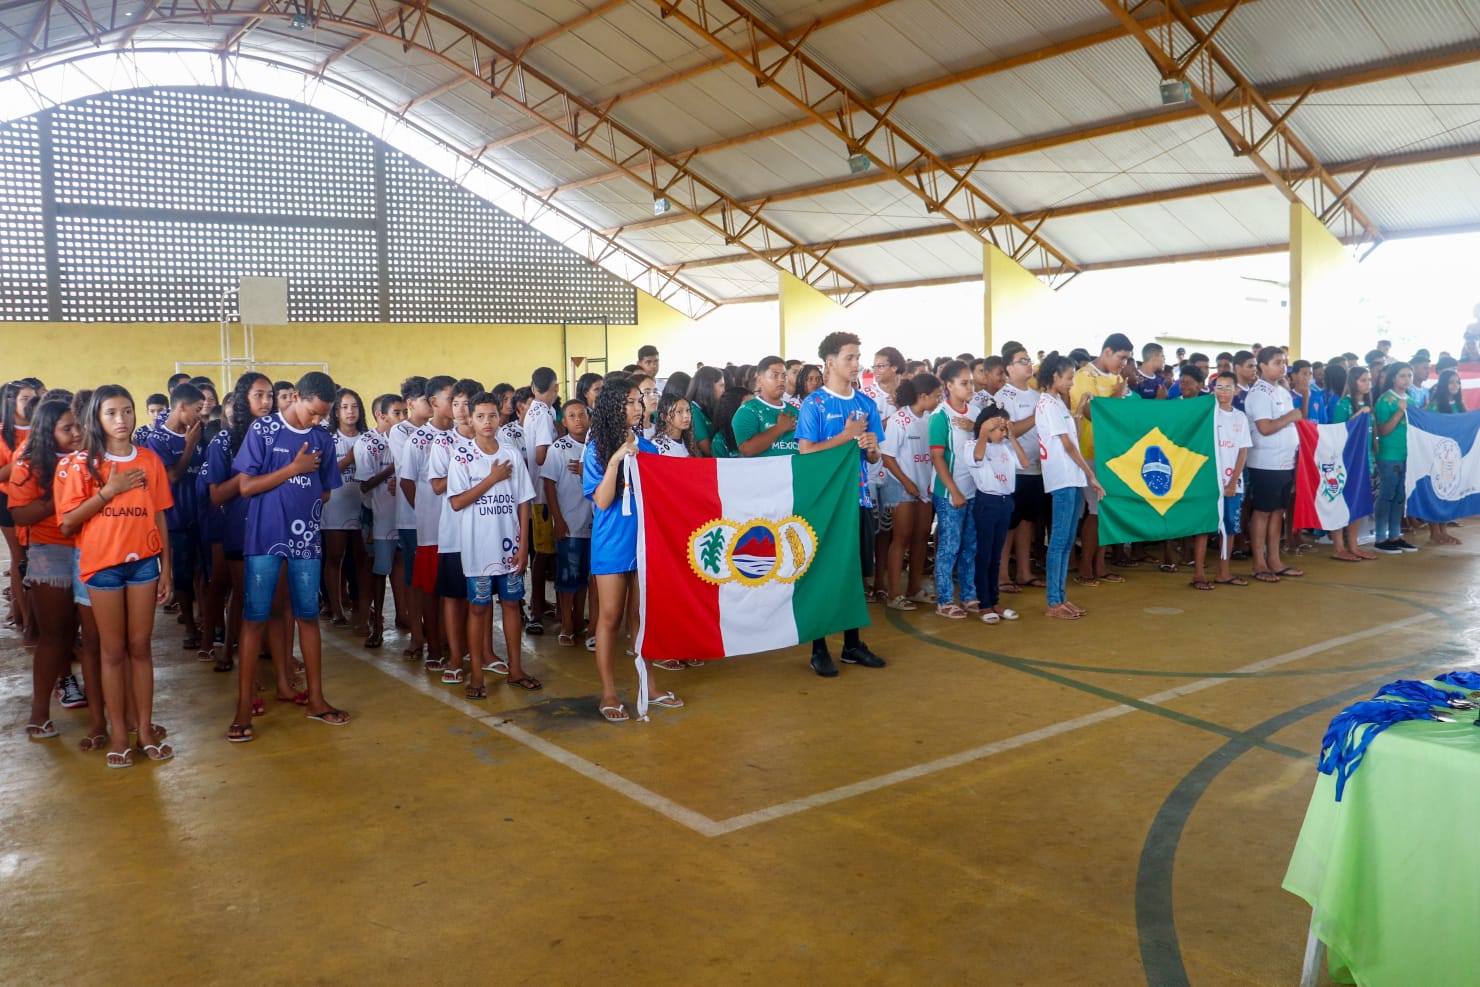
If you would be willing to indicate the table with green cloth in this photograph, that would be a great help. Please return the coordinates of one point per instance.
(1392, 871)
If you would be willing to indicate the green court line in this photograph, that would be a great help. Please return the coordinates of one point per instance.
(1119, 699)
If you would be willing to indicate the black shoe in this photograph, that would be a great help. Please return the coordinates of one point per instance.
(1389, 547)
(861, 655)
(1402, 545)
(822, 664)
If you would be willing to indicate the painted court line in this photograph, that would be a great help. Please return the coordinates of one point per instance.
(413, 675)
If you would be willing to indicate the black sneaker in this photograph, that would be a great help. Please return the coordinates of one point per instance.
(861, 655)
(1387, 548)
(822, 664)
(1403, 545)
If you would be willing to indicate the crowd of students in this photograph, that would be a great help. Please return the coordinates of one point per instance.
(289, 503)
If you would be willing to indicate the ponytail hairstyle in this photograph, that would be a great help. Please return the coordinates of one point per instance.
(241, 408)
(1052, 365)
(905, 394)
(40, 453)
(609, 430)
(94, 442)
(9, 413)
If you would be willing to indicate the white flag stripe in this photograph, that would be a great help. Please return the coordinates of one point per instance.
(1334, 512)
(755, 618)
(1452, 475)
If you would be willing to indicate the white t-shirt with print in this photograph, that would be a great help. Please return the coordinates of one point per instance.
(1052, 420)
(413, 466)
(1021, 403)
(400, 432)
(539, 430)
(574, 506)
(994, 473)
(439, 461)
(1266, 402)
(907, 442)
(1233, 435)
(488, 529)
(669, 446)
(373, 455)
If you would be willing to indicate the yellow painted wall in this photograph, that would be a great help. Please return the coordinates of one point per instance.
(1323, 289)
(1017, 305)
(807, 315)
(372, 358)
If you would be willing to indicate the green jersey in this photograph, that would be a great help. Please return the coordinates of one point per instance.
(756, 416)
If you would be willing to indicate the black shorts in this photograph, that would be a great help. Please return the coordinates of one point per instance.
(1270, 490)
(6, 521)
(451, 583)
(866, 532)
(1029, 502)
(184, 554)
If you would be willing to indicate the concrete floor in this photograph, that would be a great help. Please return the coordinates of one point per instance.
(1037, 803)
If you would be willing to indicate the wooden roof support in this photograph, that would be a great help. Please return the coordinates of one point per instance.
(1254, 128)
(1465, 53)
(860, 127)
(1362, 167)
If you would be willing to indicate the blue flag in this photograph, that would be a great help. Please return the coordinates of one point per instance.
(1442, 479)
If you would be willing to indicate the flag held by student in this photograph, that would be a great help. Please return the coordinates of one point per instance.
(736, 556)
(1442, 478)
(1333, 480)
(1157, 461)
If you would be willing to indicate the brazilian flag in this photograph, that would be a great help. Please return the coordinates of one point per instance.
(1158, 463)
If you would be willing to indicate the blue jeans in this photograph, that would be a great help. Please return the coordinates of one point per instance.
(1390, 499)
(955, 551)
(260, 572)
(992, 515)
(1067, 504)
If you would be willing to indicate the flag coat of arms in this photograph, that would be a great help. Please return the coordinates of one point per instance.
(1442, 479)
(1158, 463)
(1333, 478)
(736, 556)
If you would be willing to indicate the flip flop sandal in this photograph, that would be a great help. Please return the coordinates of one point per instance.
(96, 742)
(534, 628)
(1167, 567)
(44, 731)
(1012, 588)
(669, 665)
(498, 666)
(694, 663)
(1235, 581)
(239, 733)
(120, 760)
(476, 692)
(1289, 572)
(453, 676)
(1201, 584)
(205, 656)
(158, 752)
(259, 708)
(297, 698)
(567, 640)
(951, 612)
(991, 617)
(528, 683)
(224, 664)
(614, 714)
(666, 701)
(325, 717)
(1112, 577)
(1265, 577)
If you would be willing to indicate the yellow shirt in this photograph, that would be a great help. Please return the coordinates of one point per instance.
(1090, 379)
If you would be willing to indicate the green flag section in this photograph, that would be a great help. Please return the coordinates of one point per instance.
(736, 556)
(1158, 463)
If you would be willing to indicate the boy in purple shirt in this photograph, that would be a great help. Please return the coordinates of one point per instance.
(287, 468)
(830, 416)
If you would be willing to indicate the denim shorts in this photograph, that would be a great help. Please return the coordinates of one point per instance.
(135, 573)
(50, 565)
(510, 589)
(383, 555)
(79, 588)
(260, 573)
(572, 564)
(891, 492)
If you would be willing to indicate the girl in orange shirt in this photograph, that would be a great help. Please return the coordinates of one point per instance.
(50, 562)
(15, 397)
(112, 496)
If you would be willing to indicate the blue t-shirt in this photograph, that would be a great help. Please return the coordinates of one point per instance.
(825, 414)
(1147, 386)
(613, 534)
(218, 469)
(170, 447)
(285, 520)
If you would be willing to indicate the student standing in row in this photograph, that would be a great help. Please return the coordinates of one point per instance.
(113, 496)
(570, 513)
(1272, 417)
(418, 413)
(1234, 442)
(177, 443)
(539, 433)
(343, 544)
(376, 472)
(452, 586)
(417, 489)
(1065, 475)
(994, 461)
(287, 471)
(905, 454)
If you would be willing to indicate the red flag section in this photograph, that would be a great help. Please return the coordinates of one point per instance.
(682, 610)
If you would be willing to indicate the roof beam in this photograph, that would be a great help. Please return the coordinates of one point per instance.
(1465, 53)
(862, 128)
(1253, 127)
(827, 20)
(1359, 166)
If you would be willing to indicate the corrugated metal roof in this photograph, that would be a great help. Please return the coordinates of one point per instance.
(909, 42)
